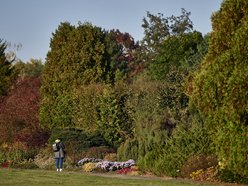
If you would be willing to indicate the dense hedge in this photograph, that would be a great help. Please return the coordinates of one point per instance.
(219, 89)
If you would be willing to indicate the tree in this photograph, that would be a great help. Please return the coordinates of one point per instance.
(157, 29)
(6, 69)
(58, 76)
(19, 113)
(120, 50)
(178, 56)
(32, 68)
(220, 88)
(177, 52)
(80, 56)
(114, 120)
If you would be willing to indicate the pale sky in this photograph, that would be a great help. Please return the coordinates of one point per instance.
(32, 22)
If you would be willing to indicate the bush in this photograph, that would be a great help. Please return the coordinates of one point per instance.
(79, 139)
(5, 164)
(16, 153)
(44, 159)
(129, 170)
(226, 175)
(128, 150)
(219, 88)
(114, 115)
(209, 174)
(76, 142)
(26, 164)
(169, 158)
(98, 152)
(110, 157)
(86, 100)
(198, 162)
(89, 167)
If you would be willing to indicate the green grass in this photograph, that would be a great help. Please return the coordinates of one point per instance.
(19, 177)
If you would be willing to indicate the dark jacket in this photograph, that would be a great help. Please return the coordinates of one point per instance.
(61, 152)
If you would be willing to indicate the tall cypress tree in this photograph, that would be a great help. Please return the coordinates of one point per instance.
(220, 88)
(78, 57)
(6, 69)
(54, 80)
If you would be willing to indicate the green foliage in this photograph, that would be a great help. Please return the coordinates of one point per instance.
(118, 54)
(98, 152)
(147, 121)
(55, 79)
(85, 102)
(79, 56)
(226, 175)
(79, 140)
(169, 157)
(62, 112)
(148, 114)
(110, 157)
(128, 150)
(33, 68)
(75, 59)
(219, 88)
(198, 162)
(176, 53)
(179, 55)
(77, 143)
(114, 119)
(25, 165)
(17, 155)
(6, 70)
(157, 28)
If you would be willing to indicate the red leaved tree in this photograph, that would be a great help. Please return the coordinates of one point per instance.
(19, 114)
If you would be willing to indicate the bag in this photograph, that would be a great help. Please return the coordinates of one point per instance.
(55, 147)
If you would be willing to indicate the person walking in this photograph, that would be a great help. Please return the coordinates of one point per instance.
(59, 154)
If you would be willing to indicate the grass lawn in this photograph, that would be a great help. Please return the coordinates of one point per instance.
(19, 177)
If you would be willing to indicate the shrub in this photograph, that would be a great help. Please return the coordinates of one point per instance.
(219, 88)
(26, 164)
(114, 115)
(129, 170)
(79, 139)
(89, 167)
(128, 150)
(167, 158)
(226, 175)
(19, 112)
(44, 159)
(86, 100)
(77, 143)
(16, 153)
(110, 157)
(198, 162)
(5, 164)
(209, 174)
(32, 138)
(98, 152)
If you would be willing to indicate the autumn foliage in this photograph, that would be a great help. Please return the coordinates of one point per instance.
(19, 113)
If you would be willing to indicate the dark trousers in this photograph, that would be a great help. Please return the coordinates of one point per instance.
(59, 163)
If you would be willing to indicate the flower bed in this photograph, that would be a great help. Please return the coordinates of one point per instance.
(108, 165)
